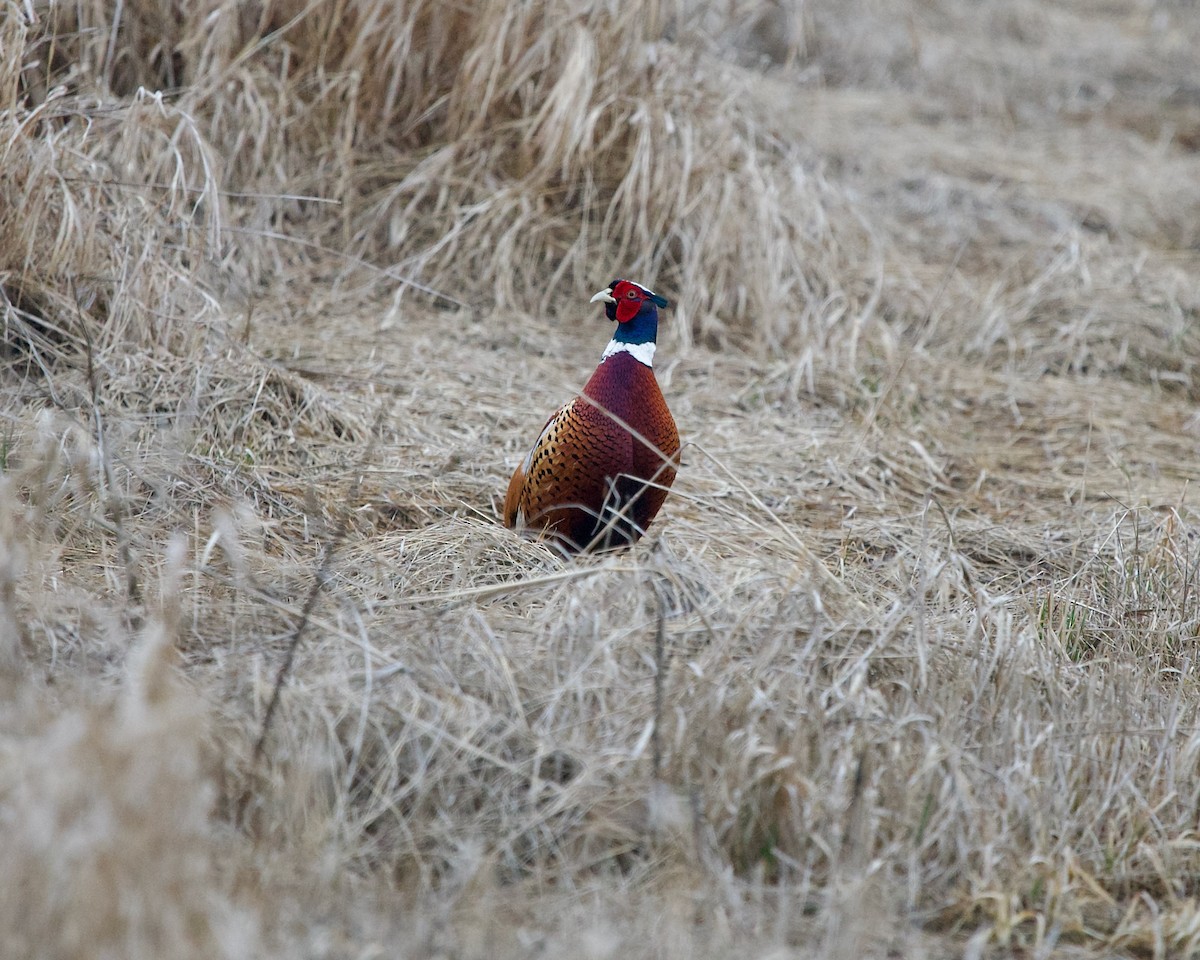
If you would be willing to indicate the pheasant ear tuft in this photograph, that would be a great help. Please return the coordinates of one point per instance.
(649, 294)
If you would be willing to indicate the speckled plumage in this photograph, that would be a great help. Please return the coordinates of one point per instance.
(601, 467)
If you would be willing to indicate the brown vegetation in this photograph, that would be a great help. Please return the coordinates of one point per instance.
(286, 286)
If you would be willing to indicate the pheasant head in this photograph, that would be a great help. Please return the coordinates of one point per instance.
(634, 308)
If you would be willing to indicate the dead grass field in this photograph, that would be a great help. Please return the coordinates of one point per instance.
(288, 288)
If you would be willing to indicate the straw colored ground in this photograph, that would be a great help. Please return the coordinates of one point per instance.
(289, 288)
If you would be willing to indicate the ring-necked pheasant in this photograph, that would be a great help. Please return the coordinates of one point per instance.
(602, 466)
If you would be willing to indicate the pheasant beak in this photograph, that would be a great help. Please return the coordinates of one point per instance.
(604, 295)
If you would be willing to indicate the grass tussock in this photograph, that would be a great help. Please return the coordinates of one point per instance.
(575, 140)
(906, 667)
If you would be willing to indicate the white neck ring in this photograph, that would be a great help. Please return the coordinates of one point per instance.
(643, 353)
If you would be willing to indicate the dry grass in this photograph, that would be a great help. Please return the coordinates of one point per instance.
(283, 292)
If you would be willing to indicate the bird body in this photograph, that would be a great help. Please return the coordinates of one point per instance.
(601, 467)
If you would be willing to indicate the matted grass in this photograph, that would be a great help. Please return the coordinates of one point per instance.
(905, 668)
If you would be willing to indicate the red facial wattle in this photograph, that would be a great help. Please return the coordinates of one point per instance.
(629, 300)
(627, 308)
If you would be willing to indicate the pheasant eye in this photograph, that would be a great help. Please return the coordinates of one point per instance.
(631, 295)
